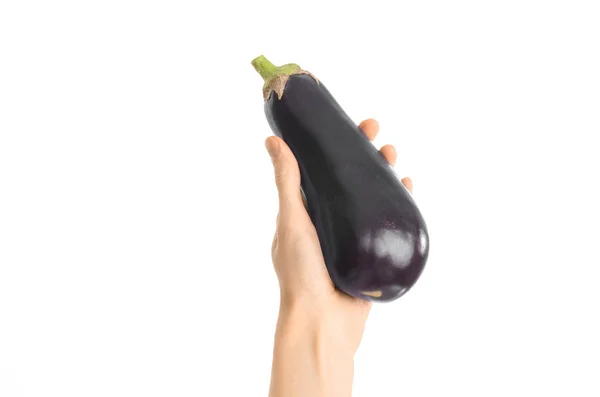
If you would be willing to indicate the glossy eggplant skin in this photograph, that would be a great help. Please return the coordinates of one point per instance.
(373, 237)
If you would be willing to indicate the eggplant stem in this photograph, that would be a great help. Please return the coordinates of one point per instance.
(275, 77)
(268, 71)
(264, 67)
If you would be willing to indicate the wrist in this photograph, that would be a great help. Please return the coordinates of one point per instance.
(310, 357)
(322, 328)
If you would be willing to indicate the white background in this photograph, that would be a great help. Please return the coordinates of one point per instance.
(137, 202)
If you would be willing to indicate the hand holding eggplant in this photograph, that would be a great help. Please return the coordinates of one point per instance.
(372, 235)
(348, 231)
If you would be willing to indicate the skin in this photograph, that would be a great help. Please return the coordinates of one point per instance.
(319, 329)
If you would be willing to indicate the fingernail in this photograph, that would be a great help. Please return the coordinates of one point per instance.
(272, 145)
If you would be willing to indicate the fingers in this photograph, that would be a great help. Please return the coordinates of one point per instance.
(370, 127)
(408, 183)
(287, 176)
(389, 153)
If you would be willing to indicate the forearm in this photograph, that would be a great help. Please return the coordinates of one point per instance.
(308, 361)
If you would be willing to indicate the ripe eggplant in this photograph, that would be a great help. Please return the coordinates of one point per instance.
(373, 237)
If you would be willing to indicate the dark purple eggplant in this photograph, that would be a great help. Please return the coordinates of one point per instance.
(373, 237)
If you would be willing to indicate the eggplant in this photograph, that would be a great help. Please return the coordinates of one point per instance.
(373, 237)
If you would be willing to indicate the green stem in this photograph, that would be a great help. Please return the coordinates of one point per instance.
(268, 71)
(264, 67)
(275, 77)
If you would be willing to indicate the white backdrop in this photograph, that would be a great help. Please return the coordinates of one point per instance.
(137, 202)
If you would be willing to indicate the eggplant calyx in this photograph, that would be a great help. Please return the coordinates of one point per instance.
(275, 77)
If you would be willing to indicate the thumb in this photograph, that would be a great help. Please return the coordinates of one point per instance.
(287, 176)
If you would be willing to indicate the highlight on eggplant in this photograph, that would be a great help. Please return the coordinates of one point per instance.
(372, 234)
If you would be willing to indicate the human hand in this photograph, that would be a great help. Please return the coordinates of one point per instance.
(307, 292)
